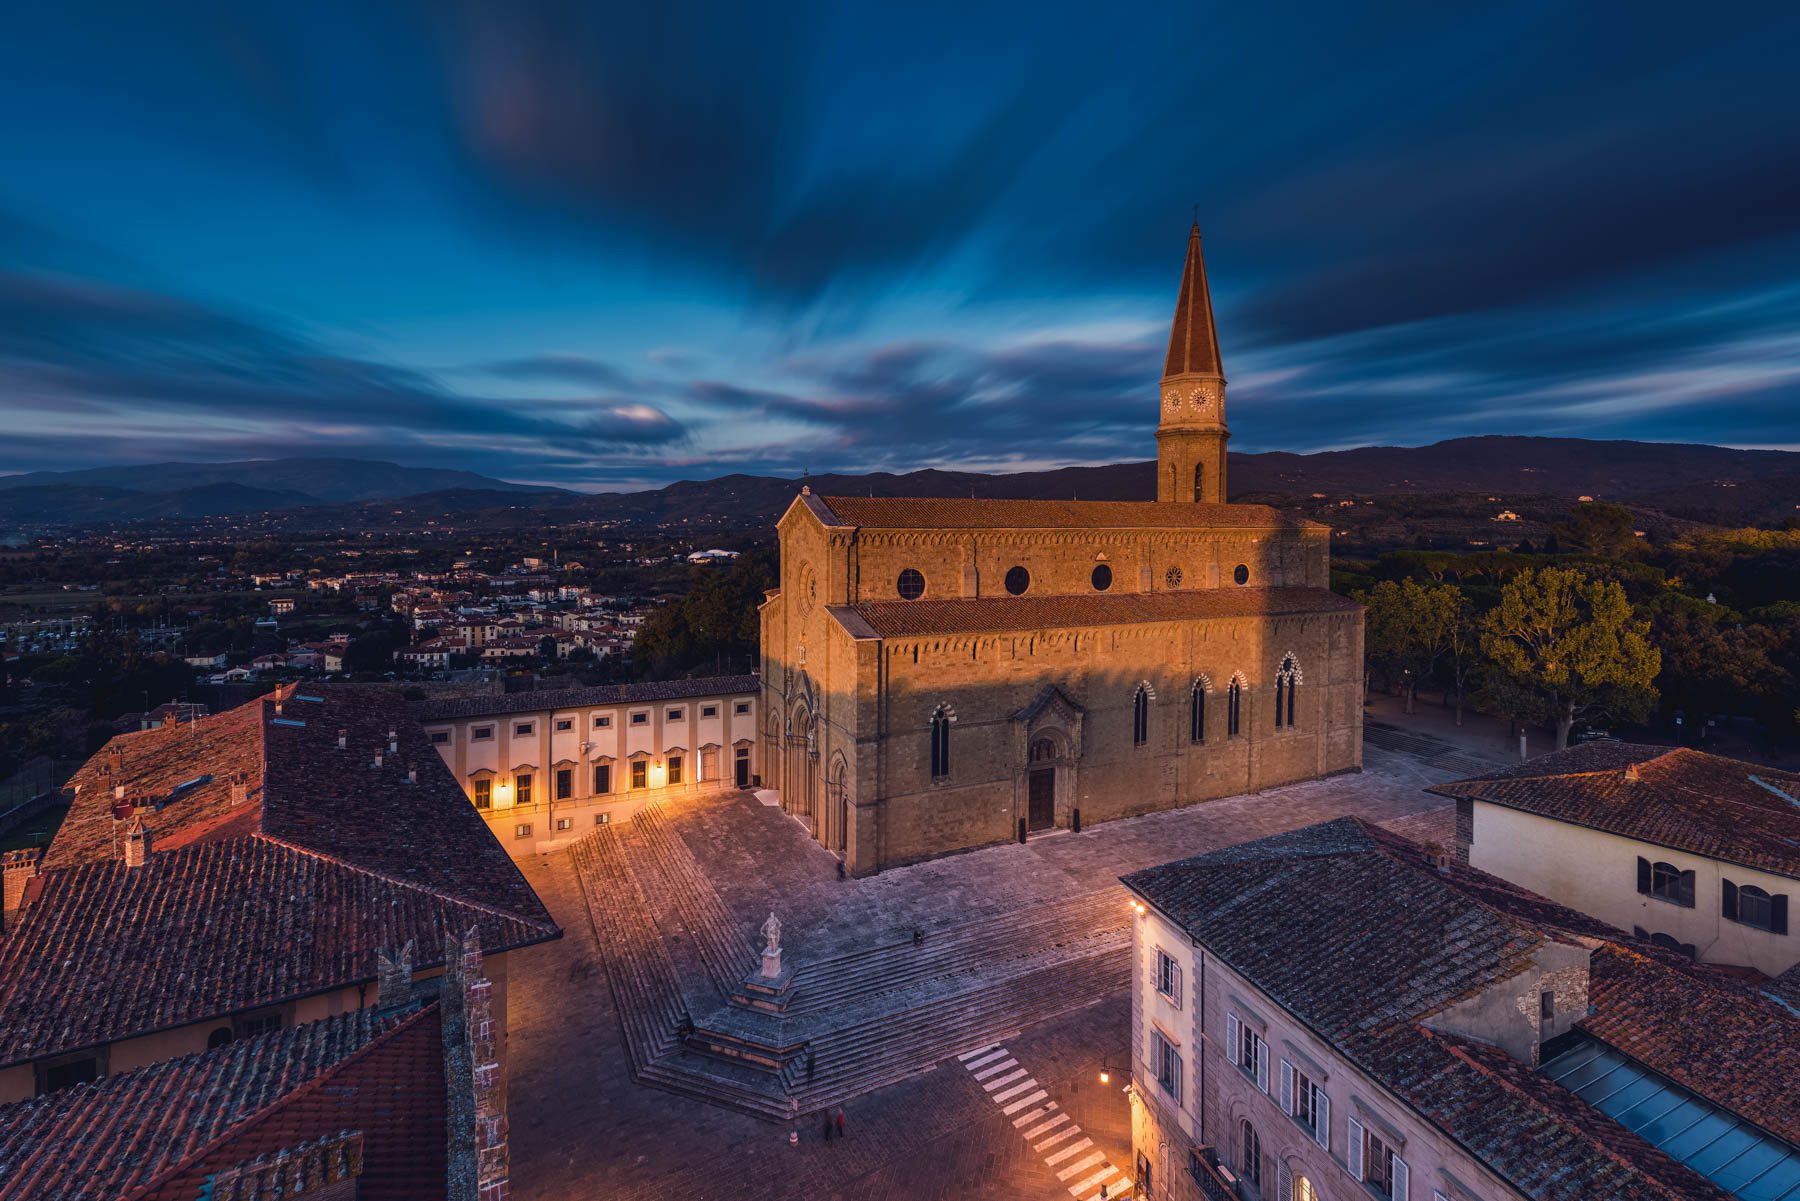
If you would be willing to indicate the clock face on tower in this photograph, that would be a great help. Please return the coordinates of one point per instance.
(1171, 400)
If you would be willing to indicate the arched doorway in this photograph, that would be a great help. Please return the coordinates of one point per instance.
(837, 794)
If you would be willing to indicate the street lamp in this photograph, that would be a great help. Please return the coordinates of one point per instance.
(1107, 1069)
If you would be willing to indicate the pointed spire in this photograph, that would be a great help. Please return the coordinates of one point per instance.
(1193, 341)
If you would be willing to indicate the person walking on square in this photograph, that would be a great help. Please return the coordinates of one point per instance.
(840, 1121)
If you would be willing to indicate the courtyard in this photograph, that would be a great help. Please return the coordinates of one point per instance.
(962, 1099)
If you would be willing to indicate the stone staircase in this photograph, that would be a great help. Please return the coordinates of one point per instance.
(856, 1023)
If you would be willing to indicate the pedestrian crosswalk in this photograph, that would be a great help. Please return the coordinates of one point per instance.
(1078, 1163)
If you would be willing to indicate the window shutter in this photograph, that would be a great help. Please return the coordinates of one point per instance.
(1728, 899)
(1687, 889)
(1400, 1175)
(1177, 1077)
(1231, 1037)
(1175, 979)
(1284, 1183)
(1262, 1065)
(1355, 1150)
(1287, 1087)
(1322, 1133)
(1643, 875)
(1778, 913)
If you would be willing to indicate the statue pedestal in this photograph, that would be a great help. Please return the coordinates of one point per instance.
(771, 965)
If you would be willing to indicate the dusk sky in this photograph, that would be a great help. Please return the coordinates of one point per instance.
(612, 245)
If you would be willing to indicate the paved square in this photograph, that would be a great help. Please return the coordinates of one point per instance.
(582, 1127)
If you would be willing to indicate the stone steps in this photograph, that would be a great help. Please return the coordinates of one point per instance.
(976, 947)
(683, 900)
(646, 995)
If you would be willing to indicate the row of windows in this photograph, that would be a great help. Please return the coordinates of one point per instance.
(564, 779)
(910, 583)
(1745, 904)
(602, 721)
(1369, 1156)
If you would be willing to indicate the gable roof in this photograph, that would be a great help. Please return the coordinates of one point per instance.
(1007, 614)
(1392, 939)
(1680, 798)
(244, 903)
(107, 952)
(935, 513)
(158, 1132)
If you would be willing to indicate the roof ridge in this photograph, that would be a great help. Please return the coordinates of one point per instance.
(263, 1114)
(325, 857)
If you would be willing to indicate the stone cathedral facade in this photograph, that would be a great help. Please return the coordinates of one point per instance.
(943, 674)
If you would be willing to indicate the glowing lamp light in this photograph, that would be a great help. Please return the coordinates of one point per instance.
(1138, 906)
(1105, 1077)
(659, 775)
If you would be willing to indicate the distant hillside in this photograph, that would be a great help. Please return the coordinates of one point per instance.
(1700, 483)
(321, 481)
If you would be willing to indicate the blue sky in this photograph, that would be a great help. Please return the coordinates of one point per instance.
(610, 246)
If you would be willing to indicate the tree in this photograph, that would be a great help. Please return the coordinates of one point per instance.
(1564, 647)
(1408, 628)
(1599, 529)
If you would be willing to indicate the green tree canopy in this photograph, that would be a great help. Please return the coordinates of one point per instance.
(1564, 647)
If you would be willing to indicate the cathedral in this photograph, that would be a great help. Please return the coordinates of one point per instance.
(944, 674)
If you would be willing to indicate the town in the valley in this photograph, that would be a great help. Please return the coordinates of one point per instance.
(1000, 847)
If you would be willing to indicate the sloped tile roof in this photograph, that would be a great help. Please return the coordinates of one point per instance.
(956, 513)
(1682, 799)
(650, 692)
(1006, 614)
(1193, 337)
(108, 952)
(1362, 938)
(301, 789)
(157, 1132)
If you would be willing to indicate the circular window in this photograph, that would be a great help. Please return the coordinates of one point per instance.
(1017, 581)
(1172, 577)
(1241, 574)
(1102, 578)
(911, 585)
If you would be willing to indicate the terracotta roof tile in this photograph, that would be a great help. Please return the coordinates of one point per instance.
(1682, 799)
(1000, 614)
(900, 512)
(1193, 337)
(649, 692)
(109, 952)
(1391, 939)
(158, 1131)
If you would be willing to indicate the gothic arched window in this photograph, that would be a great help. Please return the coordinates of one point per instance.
(940, 744)
(1199, 482)
(1286, 681)
(1197, 713)
(1250, 1164)
(1234, 704)
(1140, 717)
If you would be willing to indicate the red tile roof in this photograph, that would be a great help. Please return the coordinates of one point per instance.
(650, 691)
(1003, 614)
(1682, 799)
(109, 952)
(930, 513)
(1193, 338)
(286, 893)
(1369, 939)
(158, 1132)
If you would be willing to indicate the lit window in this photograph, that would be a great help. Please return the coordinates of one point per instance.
(640, 774)
(484, 793)
(522, 788)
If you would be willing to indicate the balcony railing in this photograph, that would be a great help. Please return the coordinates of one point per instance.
(1215, 1179)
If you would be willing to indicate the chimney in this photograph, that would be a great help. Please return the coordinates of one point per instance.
(170, 719)
(137, 843)
(393, 742)
(17, 869)
(394, 979)
(343, 739)
(240, 788)
(377, 762)
(412, 775)
(1631, 772)
(115, 760)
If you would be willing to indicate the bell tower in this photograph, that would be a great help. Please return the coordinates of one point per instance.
(1191, 434)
